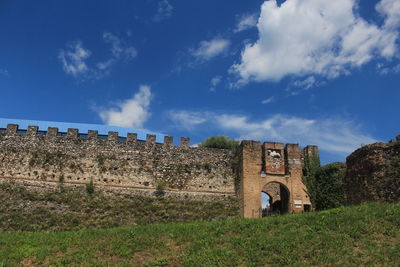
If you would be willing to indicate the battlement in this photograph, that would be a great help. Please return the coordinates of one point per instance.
(278, 158)
(73, 133)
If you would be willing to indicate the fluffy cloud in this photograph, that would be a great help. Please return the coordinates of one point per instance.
(131, 113)
(245, 22)
(333, 135)
(73, 58)
(210, 49)
(164, 11)
(214, 82)
(327, 38)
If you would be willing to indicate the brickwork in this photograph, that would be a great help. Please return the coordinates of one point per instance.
(270, 166)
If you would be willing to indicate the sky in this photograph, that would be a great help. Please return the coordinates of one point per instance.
(315, 72)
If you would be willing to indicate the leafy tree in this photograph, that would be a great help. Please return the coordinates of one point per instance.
(329, 186)
(220, 142)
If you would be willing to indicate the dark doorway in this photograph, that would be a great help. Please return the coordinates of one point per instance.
(307, 208)
(278, 199)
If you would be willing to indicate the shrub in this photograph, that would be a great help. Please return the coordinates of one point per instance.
(329, 186)
(220, 142)
(311, 166)
(160, 189)
(90, 188)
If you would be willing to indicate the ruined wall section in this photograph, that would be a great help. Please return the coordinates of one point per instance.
(200, 173)
(373, 173)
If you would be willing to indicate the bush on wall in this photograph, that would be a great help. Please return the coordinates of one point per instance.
(220, 142)
(329, 186)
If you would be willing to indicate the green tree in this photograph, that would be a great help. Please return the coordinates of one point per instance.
(220, 142)
(329, 186)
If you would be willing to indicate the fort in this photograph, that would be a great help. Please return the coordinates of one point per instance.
(125, 164)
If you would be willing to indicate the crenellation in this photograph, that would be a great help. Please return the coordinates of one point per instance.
(72, 133)
(131, 138)
(112, 136)
(185, 142)
(52, 132)
(12, 129)
(168, 141)
(150, 139)
(294, 155)
(32, 130)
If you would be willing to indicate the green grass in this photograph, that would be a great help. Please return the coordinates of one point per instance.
(366, 235)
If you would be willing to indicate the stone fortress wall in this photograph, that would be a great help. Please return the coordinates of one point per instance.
(49, 158)
(143, 167)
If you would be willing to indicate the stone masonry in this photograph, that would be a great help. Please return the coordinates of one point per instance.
(146, 167)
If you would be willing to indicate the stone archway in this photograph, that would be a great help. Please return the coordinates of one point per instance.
(273, 163)
(279, 198)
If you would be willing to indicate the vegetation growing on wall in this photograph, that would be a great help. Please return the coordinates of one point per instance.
(324, 183)
(220, 142)
(311, 166)
(329, 186)
(65, 208)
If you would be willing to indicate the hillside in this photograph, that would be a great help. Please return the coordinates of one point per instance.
(25, 208)
(364, 235)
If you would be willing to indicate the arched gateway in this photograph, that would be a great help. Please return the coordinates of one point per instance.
(277, 171)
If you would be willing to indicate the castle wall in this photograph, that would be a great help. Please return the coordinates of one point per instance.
(124, 164)
(130, 164)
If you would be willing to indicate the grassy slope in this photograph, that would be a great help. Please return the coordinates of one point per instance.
(64, 209)
(361, 235)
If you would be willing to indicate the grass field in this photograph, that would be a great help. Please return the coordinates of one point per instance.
(366, 235)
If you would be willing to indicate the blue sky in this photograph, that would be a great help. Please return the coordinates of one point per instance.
(296, 71)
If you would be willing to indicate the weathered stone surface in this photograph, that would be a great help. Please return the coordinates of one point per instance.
(373, 173)
(198, 172)
(45, 160)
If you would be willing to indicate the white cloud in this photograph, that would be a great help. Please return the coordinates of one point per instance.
(307, 83)
(73, 58)
(214, 82)
(132, 113)
(210, 49)
(333, 135)
(246, 22)
(187, 120)
(268, 100)
(305, 37)
(164, 11)
(119, 48)
(384, 69)
(390, 10)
